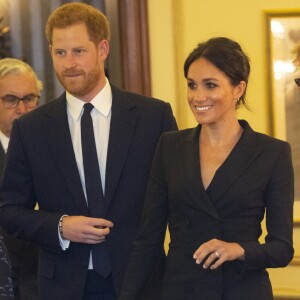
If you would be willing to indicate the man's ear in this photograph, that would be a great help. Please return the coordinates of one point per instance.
(50, 50)
(103, 48)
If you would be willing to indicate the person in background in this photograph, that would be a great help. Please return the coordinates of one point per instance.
(20, 90)
(6, 287)
(292, 111)
(212, 186)
(89, 210)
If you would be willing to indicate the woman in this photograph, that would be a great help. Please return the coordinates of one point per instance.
(211, 185)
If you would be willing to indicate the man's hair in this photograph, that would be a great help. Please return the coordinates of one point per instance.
(13, 66)
(76, 13)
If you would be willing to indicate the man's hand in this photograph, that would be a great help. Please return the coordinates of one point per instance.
(85, 230)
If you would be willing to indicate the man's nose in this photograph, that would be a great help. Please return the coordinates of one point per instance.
(21, 108)
(69, 61)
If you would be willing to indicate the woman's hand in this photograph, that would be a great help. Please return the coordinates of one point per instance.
(215, 252)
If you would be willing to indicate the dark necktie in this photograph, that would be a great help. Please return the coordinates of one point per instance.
(94, 193)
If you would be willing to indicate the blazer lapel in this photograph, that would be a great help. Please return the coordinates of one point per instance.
(188, 155)
(59, 138)
(123, 121)
(236, 163)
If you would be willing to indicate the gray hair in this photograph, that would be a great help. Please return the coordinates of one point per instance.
(10, 66)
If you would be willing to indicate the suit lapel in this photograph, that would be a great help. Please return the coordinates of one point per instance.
(188, 155)
(123, 121)
(235, 165)
(57, 130)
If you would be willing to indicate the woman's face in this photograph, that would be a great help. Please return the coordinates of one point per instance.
(211, 96)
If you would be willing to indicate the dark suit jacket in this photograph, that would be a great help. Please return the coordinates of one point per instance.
(6, 288)
(23, 257)
(41, 167)
(257, 175)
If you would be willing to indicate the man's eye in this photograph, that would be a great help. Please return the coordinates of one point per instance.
(59, 52)
(29, 98)
(10, 98)
(79, 51)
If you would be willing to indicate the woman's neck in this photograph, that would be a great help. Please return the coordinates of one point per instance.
(221, 135)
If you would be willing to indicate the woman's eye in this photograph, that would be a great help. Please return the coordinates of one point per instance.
(191, 85)
(210, 85)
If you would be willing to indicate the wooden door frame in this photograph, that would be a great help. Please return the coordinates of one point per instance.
(135, 58)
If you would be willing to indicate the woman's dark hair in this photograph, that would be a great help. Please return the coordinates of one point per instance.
(228, 56)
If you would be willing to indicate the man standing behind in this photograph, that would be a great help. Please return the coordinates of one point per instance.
(19, 94)
(89, 211)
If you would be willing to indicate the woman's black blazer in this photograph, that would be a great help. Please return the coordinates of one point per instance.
(256, 177)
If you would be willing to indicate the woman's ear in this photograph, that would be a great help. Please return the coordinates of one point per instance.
(240, 89)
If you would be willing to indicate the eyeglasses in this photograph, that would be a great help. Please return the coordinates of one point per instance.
(297, 80)
(12, 101)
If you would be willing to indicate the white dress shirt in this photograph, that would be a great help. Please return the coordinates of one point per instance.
(4, 141)
(101, 115)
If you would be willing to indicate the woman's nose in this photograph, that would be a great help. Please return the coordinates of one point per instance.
(199, 95)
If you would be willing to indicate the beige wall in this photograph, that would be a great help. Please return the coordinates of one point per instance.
(176, 26)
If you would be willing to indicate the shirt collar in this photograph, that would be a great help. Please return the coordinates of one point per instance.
(102, 102)
(4, 141)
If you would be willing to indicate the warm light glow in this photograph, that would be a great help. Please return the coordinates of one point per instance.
(282, 67)
(277, 29)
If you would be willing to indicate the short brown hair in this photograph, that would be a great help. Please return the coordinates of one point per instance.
(76, 13)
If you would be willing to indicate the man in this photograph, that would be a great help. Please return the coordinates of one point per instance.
(19, 93)
(86, 237)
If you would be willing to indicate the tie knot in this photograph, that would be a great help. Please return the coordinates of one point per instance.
(88, 107)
